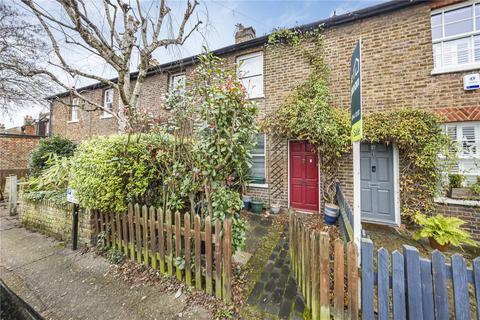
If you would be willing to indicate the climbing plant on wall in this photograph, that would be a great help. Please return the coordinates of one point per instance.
(308, 114)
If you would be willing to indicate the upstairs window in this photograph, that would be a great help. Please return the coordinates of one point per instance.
(178, 83)
(74, 110)
(250, 74)
(107, 103)
(456, 37)
(257, 171)
(466, 136)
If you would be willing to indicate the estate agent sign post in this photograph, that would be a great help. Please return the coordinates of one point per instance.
(71, 198)
(357, 135)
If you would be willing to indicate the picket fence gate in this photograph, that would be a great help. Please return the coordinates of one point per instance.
(403, 287)
(420, 288)
(162, 240)
(312, 268)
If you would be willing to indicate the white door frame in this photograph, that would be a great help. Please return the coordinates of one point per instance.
(288, 177)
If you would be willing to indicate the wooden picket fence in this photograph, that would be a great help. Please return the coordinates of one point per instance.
(411, 287)
(162, 239)
(404, 286)
(313, 265)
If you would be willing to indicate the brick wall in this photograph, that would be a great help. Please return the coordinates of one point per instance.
(14, 154)
(469, 214)
(56, 220)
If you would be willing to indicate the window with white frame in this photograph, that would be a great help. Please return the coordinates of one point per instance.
(250, 74)
(466, 136)
(107, 102)
(456, 37)
(74, 110)
(178, 83)
(257, 171)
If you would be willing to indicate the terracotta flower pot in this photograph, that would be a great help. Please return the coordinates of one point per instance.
(29, 129)
(435, 245)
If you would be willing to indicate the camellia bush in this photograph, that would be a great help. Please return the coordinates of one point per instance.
(109, 172)
(57, 145)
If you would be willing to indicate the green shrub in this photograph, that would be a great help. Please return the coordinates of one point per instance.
(57, 145)
(109, 172)
(455, 180)
(51, 183)
(445, 230)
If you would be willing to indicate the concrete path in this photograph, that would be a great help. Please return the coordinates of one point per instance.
(61, 284)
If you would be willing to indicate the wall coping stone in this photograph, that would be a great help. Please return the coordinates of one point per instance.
(467, 203)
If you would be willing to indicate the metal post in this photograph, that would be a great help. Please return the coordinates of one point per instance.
(75, 227)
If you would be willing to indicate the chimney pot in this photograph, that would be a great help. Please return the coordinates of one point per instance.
(244, 33)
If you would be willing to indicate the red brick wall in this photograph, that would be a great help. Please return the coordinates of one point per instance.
(14, 155)
(469, 214)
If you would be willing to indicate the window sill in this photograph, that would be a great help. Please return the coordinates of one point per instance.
(72, 121)
(455, 69)
(258, 185)
(470, 203)
(257, 98)
(109, 116)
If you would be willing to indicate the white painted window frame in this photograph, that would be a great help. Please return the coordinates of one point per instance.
(476, 32)
(74, 111)
(460, 155)
(106, 94)
(264, 155)
(240, 59)
(171, 85)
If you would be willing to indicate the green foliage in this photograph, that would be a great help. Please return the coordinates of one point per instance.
(51, 183)
(476, 187)
(445, 230)
(109, 172)
(214, 125)
(115, 256)
(57, 145)
(419, 138)
(455, 180)
(307, 113)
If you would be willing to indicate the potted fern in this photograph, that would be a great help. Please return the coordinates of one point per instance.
(443, 231)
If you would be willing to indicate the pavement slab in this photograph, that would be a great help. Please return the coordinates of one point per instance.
(63, 284)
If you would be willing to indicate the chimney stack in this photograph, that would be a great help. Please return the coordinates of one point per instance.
(244, 33)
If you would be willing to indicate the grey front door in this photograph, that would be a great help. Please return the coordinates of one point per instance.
(377, 187)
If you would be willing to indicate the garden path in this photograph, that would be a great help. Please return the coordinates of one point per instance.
(275, 291)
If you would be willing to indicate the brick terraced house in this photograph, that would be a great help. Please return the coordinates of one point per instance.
(414, 54)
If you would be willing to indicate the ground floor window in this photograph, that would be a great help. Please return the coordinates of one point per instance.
(257, 171)
(466, 136)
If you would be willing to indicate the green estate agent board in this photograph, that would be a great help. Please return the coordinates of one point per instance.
(356, 93)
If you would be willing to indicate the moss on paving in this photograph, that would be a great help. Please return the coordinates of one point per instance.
(254, 268)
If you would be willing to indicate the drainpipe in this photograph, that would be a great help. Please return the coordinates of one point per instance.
(50, 119)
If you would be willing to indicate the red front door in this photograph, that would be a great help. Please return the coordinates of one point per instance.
(303, 176)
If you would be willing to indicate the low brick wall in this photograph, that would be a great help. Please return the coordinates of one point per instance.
(468, 212)
(56, 220)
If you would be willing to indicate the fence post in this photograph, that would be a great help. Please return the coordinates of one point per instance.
(427, 289)
(352, 265)
(476, 279)
(398, 286)
(440, 290)
(227, 260)
(460, 288)
(367, 279)
(414, 288)
(339, 282)
(324, 275)
(12, 196)
(383, 285)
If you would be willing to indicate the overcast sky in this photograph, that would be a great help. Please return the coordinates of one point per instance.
(218, 31)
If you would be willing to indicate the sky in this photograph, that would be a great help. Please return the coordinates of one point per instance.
(217, 30)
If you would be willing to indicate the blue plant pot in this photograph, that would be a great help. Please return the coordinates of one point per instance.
(246, 205)
(331, 213)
